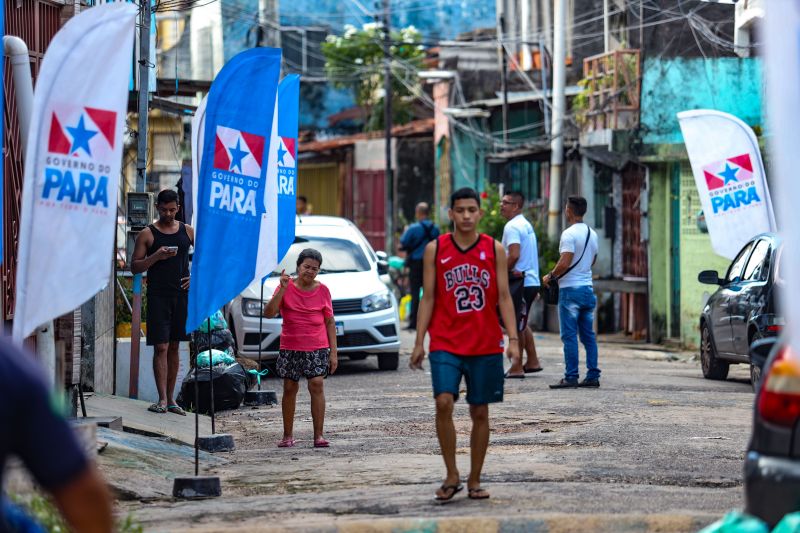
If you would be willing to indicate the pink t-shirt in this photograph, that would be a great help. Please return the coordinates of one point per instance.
(304, 315)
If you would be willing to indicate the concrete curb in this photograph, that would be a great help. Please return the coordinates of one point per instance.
(541, 523)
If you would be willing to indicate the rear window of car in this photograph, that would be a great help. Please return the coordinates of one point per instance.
(338, 255)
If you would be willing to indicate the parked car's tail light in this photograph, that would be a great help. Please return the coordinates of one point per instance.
(779, 402)
(774, 328)
(252, 307)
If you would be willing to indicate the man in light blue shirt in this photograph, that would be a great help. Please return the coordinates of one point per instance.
(519, 241)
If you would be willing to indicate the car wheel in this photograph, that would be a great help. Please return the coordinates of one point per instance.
(388, 361)
(713, 368)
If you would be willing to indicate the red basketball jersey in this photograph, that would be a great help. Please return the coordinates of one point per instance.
(465, 320)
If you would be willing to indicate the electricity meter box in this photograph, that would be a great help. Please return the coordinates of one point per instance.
(140, 211)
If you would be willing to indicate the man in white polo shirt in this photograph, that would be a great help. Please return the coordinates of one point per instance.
(519, 241)
(576, 299)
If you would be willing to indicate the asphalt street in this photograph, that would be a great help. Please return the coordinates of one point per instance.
(656, 448)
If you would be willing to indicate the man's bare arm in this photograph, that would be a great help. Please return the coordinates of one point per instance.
(425, 310)
(86, 503)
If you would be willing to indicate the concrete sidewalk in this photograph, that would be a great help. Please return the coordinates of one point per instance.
(136, 417)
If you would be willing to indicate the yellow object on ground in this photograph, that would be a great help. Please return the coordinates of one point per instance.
(405, 306)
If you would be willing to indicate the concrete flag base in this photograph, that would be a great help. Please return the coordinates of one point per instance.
(196, 487)
(219, 442)
(255, 398)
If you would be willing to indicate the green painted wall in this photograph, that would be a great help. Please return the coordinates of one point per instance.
(696, 255)
(658, 217)
(467, 157)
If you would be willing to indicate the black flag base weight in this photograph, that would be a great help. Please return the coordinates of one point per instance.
(196, 487)
(218, 442)
(254, 398)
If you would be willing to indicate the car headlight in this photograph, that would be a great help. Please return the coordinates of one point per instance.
(376, 302)
(253, 307)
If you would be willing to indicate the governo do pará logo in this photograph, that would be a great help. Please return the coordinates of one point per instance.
(731, 184)
(80, 151)
(238, 159)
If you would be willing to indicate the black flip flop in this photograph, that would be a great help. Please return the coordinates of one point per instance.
(532, 370)
(455, 488)
(515, 376)
(471, 492)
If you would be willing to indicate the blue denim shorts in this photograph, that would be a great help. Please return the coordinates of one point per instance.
(482, 373)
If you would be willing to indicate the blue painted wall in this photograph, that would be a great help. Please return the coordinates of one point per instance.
(437, 19)
(729, 84)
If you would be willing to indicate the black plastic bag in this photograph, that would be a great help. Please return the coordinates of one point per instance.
(230, 384)
(220, 339)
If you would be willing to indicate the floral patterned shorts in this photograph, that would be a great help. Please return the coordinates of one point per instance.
(294, 365)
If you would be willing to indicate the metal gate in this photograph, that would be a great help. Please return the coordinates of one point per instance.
(369, 206)
(635, 308)
(319, 183)
(35, 22)
(634, 251)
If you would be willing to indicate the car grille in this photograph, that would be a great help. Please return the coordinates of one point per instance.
(355, 339)
(387, 330)
(347, 307)
(251, 339)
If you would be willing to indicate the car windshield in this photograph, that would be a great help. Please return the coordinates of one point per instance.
(338, 255)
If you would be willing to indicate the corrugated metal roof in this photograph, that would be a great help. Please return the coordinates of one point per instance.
(415, 127)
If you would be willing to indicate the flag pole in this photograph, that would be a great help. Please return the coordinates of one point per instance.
(260, 331)
(211, 378)
(196, 414)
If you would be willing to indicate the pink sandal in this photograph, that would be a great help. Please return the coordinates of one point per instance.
(321, 443)
(288, 442)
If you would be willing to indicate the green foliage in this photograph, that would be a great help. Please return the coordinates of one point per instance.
(123, 313)
(548, 250)
(47, 515)
(129, 525)
(355, 60)
(492, 222)
(42, 511)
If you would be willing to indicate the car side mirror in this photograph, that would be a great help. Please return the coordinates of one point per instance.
(383, 267)
(382, 256)
(709, 277)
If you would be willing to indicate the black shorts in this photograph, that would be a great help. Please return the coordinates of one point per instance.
(523, 298)
(166, 318)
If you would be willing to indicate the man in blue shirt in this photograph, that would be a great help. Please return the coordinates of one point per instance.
(36, 433)
(413, 243)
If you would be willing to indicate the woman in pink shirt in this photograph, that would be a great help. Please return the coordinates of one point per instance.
(308, 341)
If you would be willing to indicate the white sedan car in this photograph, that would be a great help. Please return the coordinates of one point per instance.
(367, 321)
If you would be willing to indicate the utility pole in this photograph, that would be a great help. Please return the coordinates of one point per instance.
(141, 179)
(543, 70)
(501, 31)
(387, 123)
(559, 108)
(144, 94)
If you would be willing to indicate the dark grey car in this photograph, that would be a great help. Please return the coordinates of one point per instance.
(772, 463)
(743, 309)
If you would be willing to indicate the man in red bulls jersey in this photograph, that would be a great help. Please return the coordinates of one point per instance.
(465, 279)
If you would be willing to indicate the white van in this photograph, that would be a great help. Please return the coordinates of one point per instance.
(367, 321)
